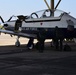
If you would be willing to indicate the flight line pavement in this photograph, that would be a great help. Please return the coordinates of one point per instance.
(34, 63)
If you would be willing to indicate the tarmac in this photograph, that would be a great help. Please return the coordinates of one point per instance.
(21, 61)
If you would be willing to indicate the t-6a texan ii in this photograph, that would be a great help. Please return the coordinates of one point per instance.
(50, 23)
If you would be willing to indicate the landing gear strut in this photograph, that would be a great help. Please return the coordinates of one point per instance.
(17, 43)
(30, 44)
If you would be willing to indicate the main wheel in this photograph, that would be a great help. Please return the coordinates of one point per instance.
(31, 47)
(30, 44)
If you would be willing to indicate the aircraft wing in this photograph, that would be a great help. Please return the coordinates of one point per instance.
(18, 34)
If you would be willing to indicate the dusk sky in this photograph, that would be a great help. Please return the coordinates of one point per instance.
(26, 7)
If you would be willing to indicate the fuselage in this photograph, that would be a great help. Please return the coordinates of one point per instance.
(65, 23)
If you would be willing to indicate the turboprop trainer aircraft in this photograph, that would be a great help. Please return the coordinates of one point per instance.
(41, 25)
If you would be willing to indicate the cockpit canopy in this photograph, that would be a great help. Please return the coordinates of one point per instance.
(46, 13)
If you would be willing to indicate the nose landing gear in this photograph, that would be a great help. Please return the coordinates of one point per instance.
(17, 43)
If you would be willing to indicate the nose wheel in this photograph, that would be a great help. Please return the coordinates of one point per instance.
(17, 43)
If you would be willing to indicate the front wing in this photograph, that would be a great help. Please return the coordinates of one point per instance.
(20, 34)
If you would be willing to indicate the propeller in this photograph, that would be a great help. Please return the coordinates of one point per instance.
(1, 27)
(11, 18)
(2, 19)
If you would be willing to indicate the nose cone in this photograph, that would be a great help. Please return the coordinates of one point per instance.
(5, 26)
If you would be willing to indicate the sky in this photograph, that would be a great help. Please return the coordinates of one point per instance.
(26, 7)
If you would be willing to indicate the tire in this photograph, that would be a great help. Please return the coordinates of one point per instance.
(17, 44)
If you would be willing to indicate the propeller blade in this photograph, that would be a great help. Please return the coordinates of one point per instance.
(11, 18)
(2, 19)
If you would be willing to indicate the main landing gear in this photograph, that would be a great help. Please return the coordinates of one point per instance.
(39, 45)
(30, 44)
